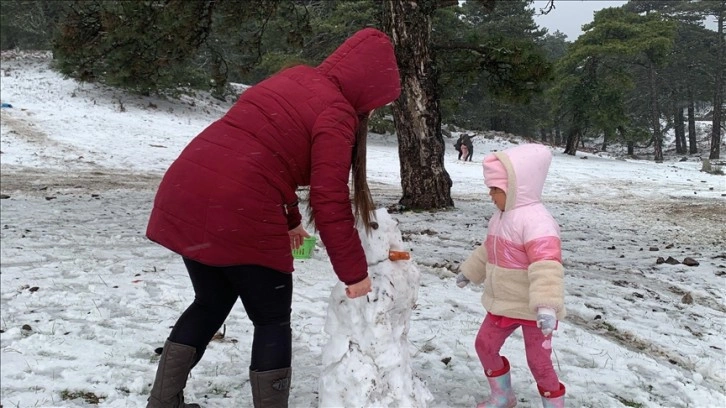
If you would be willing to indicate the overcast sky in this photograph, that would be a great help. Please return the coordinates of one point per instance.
(569, 15)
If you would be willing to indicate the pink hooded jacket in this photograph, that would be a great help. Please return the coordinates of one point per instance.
(520, 262)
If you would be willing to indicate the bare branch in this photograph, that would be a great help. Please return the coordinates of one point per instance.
(547, 8)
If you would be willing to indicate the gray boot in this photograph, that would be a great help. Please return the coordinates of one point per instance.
(502, 393)
(270, 389)
(553, 399)
(171, 377)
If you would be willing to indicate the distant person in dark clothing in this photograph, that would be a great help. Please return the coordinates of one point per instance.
(465, 148)
(464, 152)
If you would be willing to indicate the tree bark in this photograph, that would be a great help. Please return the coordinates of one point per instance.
(629, 143)
(655, 114)
(692, 140)
(424, 180)
(675, 131)
(679, 130)
(573, 139)
(718, 91)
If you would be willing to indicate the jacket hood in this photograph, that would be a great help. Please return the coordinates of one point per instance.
(527, 166)
(364, 68)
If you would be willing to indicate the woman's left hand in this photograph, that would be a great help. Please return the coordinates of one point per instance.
(359, 289)
(297, 236)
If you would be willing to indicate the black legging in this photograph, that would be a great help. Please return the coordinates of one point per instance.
(267, 298)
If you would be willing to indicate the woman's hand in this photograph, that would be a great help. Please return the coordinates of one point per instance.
(359, 289)
(297, 236)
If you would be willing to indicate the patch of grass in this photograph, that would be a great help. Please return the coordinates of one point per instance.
(608, 326)
(89, 397)
(629, 403)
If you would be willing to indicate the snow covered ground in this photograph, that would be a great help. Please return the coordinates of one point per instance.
(86, 299)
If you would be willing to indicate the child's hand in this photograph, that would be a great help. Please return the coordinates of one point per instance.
(461, 280)
(546, 320)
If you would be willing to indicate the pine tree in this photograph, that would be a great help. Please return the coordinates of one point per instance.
(29, 24)
(142, 46)
(617, 51)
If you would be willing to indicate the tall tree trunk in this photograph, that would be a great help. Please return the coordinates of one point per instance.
(682, 130)
(558, 134)
(492, 115)
(573, 139)
(679, 130)
(574, 133)
(718, 91)
(623, 136)
(416, 114)
(655, 114)
(675, 130)
(692, 140)
(218, 75)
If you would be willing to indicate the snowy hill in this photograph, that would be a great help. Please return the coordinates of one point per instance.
(85, 298)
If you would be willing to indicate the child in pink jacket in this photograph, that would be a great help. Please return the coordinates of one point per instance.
(520, 265)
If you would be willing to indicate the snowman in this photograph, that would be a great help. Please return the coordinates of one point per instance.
(366, 362)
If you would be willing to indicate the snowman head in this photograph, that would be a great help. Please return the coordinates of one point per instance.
(384, 236)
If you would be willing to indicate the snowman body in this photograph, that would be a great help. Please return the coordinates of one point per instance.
(366, 362)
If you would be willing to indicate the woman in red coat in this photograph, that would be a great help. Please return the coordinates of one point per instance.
(228, 206)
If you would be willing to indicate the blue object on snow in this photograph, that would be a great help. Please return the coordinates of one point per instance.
(6, 105)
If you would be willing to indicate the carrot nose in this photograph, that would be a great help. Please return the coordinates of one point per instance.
(399, 255)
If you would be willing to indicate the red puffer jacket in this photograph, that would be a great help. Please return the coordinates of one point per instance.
(229, 198)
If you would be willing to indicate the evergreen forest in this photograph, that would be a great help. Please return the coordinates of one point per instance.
(638, 72)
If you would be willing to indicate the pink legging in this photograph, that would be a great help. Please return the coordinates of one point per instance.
(491, 337)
